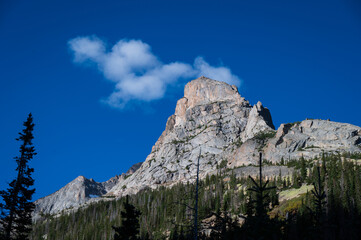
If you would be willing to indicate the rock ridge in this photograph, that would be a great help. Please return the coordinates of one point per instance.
(214, 119)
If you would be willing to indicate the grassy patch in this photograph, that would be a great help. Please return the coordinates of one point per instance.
(293, 193)
(287, 206)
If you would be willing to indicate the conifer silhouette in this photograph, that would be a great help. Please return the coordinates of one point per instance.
(16, 210)
(129, 229)
(258, 225)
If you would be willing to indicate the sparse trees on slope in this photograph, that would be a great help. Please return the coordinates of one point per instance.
(16, 210)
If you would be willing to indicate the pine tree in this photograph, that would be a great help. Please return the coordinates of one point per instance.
(282, 163)
(17, 207)
(319, 195)
(303, 169)
(295, 179)
(129, 229)
(259, 225)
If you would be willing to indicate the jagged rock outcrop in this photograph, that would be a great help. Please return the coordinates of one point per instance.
(133, 168)
(213, 122)
(310, 138)
(259, 120)
(212, 119)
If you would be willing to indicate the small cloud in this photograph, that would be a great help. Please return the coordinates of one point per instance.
(89, 48)
(138, 74)
(218, 73)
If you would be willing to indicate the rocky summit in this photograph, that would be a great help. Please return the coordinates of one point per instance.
(79, 191)
(214, 123)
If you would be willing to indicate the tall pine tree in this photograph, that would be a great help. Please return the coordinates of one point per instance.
(258, 224)
(129, 229)
(15, 221)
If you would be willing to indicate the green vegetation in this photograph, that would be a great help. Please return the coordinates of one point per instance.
(16, 206)
(310, 147)
(177, 141)
(294, 193)
(295, 123)
(151, 160)
(126, 176)
(265, 135)
(238, 143)
(355, 155)
(129, 228)
(167, 212)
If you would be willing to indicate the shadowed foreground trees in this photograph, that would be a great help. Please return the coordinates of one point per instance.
(333, 211)
(129, 229)
(258, 224)
(16, 209)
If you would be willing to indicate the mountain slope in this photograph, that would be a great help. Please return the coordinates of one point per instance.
(212, 121)
(79, 191)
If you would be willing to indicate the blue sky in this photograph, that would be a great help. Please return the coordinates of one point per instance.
(301, 59)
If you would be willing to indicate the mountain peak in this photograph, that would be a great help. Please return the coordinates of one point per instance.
(204, 90)
(211, 115)
(80, 179)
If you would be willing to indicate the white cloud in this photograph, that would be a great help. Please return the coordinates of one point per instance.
(86, 48)
(137, 73)
(218, 73)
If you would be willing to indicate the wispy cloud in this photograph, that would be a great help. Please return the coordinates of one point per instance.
(138, 74)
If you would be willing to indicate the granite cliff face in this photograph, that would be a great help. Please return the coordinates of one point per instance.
(212, 121)
(310, 138)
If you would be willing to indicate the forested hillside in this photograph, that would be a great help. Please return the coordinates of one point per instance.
(225, 201)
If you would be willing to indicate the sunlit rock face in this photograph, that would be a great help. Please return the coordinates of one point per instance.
(214, 123)
(310, 138)
(75, 193)
(211, 121)
(78, 192)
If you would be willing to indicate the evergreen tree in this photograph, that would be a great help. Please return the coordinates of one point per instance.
(296, 180)
(129, 229)
(282, 161)
(303, 169)
(319, 199)
(16, 210)
(259, 225)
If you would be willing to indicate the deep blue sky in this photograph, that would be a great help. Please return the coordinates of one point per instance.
(299, 58)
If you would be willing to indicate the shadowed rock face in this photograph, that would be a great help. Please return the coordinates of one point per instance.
(133, 168)
(214, 122)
